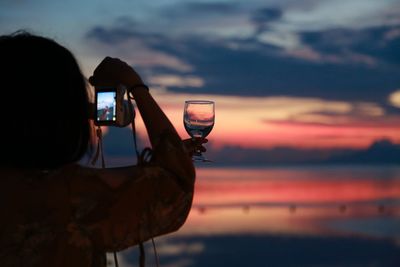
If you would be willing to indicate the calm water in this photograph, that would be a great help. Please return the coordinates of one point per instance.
(320, 216)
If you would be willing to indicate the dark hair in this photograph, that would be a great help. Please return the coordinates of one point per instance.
(44, 103)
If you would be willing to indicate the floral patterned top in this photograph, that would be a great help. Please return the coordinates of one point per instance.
(71, 217)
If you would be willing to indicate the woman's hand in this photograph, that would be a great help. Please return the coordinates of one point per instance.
(112, 72)
(193, 145)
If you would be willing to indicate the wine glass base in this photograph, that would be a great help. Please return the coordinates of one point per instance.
(200, 158)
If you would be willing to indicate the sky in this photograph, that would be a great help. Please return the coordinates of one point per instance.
(283, 73)
(105, 99)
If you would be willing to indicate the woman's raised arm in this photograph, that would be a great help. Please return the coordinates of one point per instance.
(133, 204)
(112, 71)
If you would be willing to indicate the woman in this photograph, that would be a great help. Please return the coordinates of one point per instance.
(55, 211)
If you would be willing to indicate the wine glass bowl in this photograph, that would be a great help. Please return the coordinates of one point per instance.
(198, 119)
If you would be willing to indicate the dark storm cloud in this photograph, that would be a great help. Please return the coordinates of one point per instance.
(267, 14)
(255, 69)
(381, 43)
(264, 16)
(255, 72)
(122, 33)
(197, 7)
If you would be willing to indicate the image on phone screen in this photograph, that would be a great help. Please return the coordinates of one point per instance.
(106, 109)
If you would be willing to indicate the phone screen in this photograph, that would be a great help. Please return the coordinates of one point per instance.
(106, 106)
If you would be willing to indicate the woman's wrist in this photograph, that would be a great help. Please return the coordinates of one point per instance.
(138, 86)
(139, 89)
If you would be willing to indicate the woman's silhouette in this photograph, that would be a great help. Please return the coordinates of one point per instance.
(54, 211)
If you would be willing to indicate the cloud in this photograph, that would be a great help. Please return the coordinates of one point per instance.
(309, 54)
(380, 152)
(369, 46)
(205, 18)
(264, 16)
(201, 9)
(394, 98)
(325, 14)
(122, 40)
(288, 121)
(321, 88)
(337, 64)
(288, 41)
(264, 71)
(176, 81)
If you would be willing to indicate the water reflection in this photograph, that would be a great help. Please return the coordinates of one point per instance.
(295, 201)
(274, 186)
(348, 216)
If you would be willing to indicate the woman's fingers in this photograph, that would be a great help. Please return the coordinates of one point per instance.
(195, 144)
(93, 80)
(113, 71)
(199, 140)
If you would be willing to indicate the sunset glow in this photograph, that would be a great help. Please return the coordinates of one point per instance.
(274, 187)
(275, 79)
(304, 155)
(291, 122)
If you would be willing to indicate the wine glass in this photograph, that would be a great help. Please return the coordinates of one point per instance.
(198, 118)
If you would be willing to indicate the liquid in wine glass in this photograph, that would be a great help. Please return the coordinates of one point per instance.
(198, 118)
